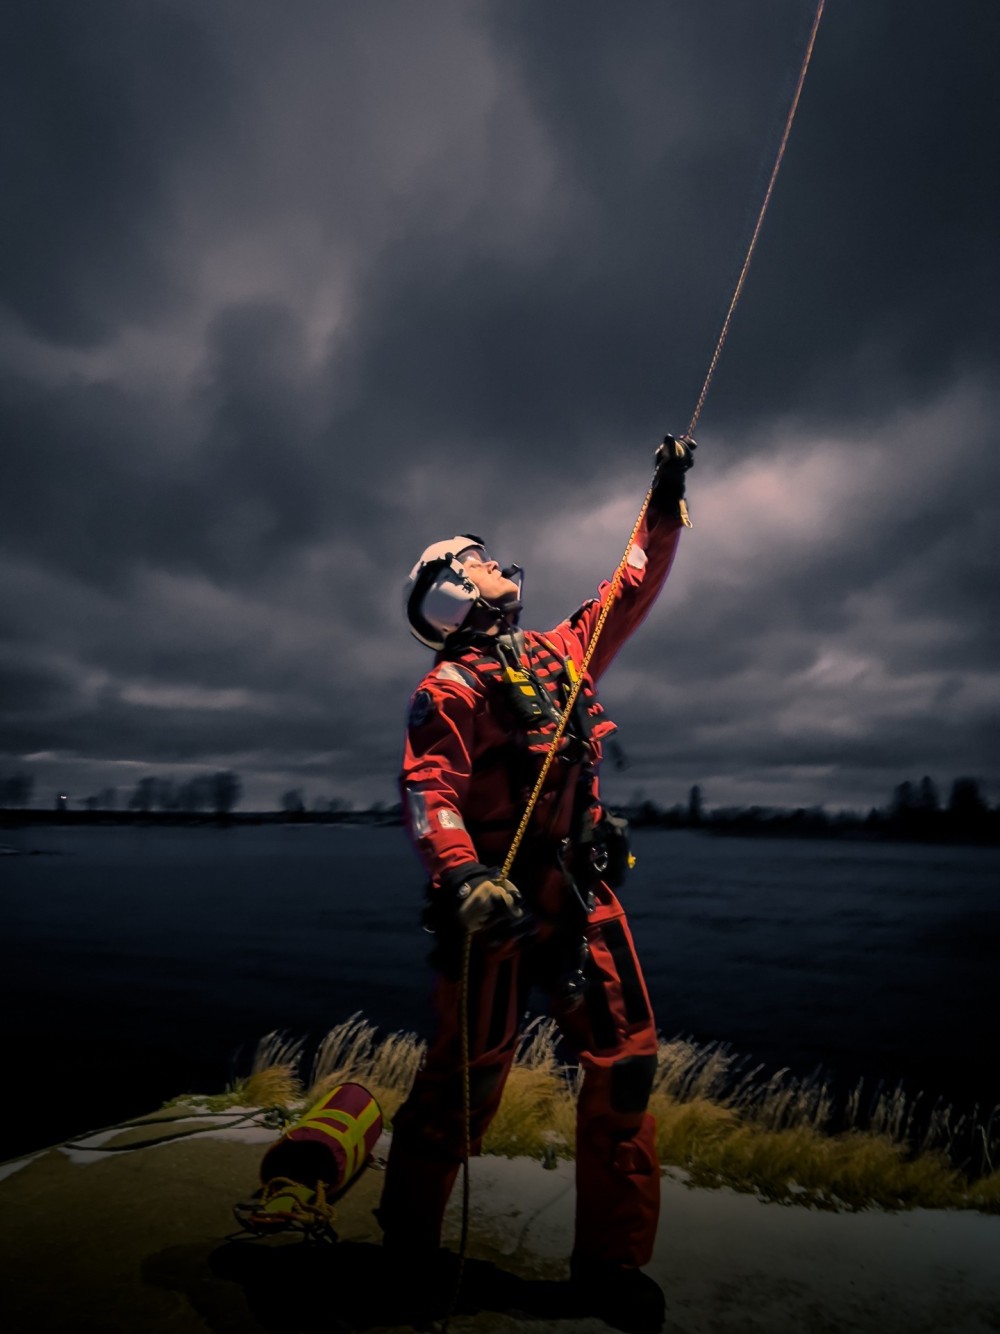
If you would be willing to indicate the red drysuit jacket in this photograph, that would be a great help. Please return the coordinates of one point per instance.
(459, 801)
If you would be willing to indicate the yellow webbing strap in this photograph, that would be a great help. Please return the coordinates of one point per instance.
(343, 1137)
(356, 1124)
(350, 1134)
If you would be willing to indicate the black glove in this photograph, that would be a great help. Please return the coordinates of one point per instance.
(474, 898)
(672, 460)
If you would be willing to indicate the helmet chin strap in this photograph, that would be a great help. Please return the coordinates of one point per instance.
(511, 605)
(486, 619)
(510, 609)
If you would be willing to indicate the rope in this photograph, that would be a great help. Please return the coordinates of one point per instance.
(315, 1217)
(463, 1244)
(550, 754)
(577, 686)
(620, 571)
(760, 221)
(273, 1117)
(616, 581)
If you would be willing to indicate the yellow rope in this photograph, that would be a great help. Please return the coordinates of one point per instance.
(504, 873)
(310, 1215)
(577, 686)
(466, 1123)
(550, 754)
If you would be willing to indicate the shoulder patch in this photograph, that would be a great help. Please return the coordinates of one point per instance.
(451, 671)
(421, 707)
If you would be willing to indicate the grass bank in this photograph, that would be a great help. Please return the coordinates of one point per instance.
(779, 1137)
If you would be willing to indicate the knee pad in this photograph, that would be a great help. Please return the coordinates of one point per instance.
(632, 1083)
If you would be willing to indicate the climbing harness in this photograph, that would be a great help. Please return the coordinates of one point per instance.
(609, 602)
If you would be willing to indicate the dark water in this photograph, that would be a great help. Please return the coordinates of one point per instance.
(139, 963)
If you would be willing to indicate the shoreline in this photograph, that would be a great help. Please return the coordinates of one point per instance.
(800, 825)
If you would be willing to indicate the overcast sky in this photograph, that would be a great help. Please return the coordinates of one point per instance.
(289, 291)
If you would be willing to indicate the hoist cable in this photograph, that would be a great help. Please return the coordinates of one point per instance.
(760, 221)
(620, 571)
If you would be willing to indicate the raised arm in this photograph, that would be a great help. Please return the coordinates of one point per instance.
(649, 560)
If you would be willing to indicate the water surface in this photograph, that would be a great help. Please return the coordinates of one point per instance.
(136, 963)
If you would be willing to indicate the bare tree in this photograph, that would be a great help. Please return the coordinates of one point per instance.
(143, 798)
(226, 791)
(196, 794)
(696, 808)
(16, 791)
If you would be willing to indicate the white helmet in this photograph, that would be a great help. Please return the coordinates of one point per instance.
(439, 595)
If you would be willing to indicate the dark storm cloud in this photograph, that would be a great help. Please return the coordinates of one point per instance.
(282, 298)
(873, 278)
(100, 102)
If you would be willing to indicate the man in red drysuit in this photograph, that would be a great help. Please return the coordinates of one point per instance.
(480, 724)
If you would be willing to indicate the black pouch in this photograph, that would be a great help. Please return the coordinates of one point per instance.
(612, 857)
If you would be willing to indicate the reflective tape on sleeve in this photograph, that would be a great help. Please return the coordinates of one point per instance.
(416, 804)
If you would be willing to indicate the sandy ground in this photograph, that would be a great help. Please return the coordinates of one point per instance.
(102, 1243)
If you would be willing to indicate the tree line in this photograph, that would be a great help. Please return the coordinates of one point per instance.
(914, 811)
(218, 793)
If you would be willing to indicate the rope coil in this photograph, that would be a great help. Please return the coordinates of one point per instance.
(283, 1203)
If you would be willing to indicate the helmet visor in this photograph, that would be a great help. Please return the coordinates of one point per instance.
(474, 554)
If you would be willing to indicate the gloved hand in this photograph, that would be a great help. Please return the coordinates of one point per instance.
(480, 900)
(488, 904)
(671, 460)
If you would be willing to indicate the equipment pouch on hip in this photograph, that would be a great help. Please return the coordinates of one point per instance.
(611, 844)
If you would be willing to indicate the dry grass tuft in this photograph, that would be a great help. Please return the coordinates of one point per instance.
(352, 1052)
(686, 1130)
(985, 1194)
(716, 1117)
(537, 1112)
(277, 1049)
(274, 1086)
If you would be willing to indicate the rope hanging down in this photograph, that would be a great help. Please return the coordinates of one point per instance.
(616, 581)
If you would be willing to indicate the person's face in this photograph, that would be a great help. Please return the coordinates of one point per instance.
(485, 574)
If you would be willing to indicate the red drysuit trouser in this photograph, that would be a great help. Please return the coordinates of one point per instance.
(614, 1037)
